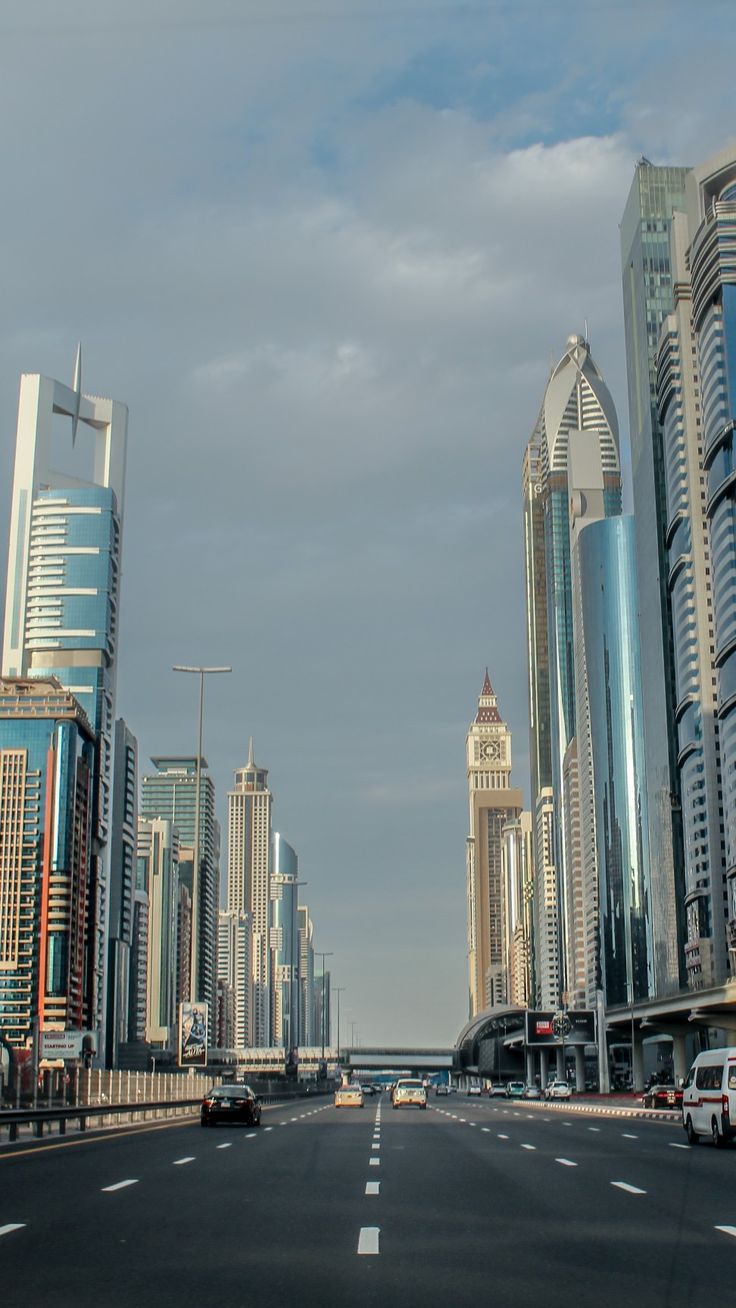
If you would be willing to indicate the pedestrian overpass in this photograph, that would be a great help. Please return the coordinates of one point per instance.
(400, 1060)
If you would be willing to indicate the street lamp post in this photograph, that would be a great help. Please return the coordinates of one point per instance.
(323, 954)
(194, 957)
(338, 990)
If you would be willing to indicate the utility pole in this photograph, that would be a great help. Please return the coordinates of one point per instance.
(323, 954)
(338, 990)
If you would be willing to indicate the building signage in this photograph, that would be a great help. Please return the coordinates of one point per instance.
(67, 1044)
(561, 1027)
(192, 1034)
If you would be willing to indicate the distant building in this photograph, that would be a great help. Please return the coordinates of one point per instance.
(235, 977)
(158, 851)
(493, 804)
(284, 945)
(307, 1022)
(47, 762)
(122, 887)
(518, 869)
(249, 879)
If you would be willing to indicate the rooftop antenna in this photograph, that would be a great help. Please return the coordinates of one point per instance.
(585, 320)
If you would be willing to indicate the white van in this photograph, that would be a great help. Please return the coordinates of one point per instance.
(709, 1097)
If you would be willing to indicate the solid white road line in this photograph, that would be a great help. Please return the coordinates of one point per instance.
(503, 1137)
(727, 1230)
(373, 1187)
(119, 1185)
(368, 1240)
(566, 1162)
(225, 1146)
(179, 1162)
(525, 1146)
(11, 1226)
(630, 1189)
(374, 1162)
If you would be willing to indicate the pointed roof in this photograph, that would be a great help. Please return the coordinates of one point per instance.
(487, 706)
(250, 763)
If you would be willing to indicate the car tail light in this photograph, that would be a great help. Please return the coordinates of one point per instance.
(724, 1105)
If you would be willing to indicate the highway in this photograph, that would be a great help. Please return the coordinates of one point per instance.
(471, 1202)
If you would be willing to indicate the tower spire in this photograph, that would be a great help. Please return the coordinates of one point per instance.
(250, 763)
(487, 705)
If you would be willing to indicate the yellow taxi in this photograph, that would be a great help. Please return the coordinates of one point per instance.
(349, 1096)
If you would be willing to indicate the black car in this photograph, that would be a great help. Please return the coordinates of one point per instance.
(231, 1103)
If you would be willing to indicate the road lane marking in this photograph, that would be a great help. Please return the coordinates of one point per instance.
(179, 1162)
(678, 1146)
(526, 1146)
(630, 1189)
(375, 1146)
(462, 1119)
(627, 1136)
(267, 1128)
(368, 1240)
(503, 1137)
(566, 1162)
(373, 1187)
(374, 1162)
(225, 1146)
(294, 1119)
(11, 1226)
(119, 1185)
(487, 1129)
(594, 1128)
(567, 1123)
(727, 1230)
(252, 1134)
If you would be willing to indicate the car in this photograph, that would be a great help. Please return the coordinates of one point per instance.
(662, 1096)
(515, 1090)
(474, 1090)
(234, 1102)
(407, 1092)
(709, 1097)
(558, 1090)
(442, 1089)
(497, 1090)
(349, 1096)
(532, 1092)
(368, 1088)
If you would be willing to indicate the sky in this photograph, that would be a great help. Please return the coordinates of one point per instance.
(327, 252)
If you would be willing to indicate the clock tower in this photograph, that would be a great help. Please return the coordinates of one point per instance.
(492, 803)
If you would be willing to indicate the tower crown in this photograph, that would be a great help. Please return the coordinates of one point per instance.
(487, 703)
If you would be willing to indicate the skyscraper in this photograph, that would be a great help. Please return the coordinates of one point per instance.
(46, 804)
(249, 878)
(492, 804)
(235, 972)
(647, 295)
(122, 887)
(63, 588)
(284, 945)
(158, 854)
(307, 1033)
(171, 792)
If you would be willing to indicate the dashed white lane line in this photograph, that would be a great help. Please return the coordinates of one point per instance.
(11, 1226)
(487, 1129)
(626, 1135)
(253, 1134)
(119, 1185)
(462, 1119)
(527, 1146)
(375, 1146)
(566, 1124)
(595, 1128)
(503, 1137)
(630, 1189)
(268, 1128)
(727, 1230)
(373, 1187)
(566, 1162)
(179, 1162)
(225, 1146)
(368, 1239)
(374, 1162)
(673, 1145)
(293, 1119)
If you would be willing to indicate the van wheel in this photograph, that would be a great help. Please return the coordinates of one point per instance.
(692, 1137)
(717, 1137)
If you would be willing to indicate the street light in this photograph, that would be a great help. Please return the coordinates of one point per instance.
(194, 959)
(323, 954)
(338, 990)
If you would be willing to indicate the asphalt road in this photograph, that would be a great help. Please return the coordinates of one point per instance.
(471, 1202)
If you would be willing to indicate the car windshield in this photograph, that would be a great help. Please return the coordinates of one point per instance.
(230, 1092)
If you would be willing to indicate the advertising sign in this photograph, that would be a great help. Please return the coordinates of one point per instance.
(192, 1034)
(563, 1027)
(67, 1044)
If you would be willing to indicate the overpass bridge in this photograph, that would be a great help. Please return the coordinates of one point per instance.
(400, 1059)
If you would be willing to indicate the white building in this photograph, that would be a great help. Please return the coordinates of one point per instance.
(249, 878)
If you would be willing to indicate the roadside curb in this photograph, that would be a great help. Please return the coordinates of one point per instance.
(603, 1110)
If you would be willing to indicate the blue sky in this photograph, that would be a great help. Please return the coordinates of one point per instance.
(327, 253)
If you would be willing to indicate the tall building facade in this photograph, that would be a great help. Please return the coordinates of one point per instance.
(158, 858)
(47, 762)
(647, 295)
(307, 1029)
(249, 878)
(284, 945)
(492, 804)
(171, 793)
(122, 887)
(517, 871)
(576, 400)
(63, 591)
(235, 974)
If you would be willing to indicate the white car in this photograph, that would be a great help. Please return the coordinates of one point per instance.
(558, 1090)
(442, 1089)
(410, 1092)
(349, 1096)
(474, 1090)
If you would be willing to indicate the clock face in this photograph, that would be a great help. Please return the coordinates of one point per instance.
(490, 751)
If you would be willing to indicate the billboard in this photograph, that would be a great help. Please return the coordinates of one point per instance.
(67, 1044)
(573, 1027)
(192, 1034)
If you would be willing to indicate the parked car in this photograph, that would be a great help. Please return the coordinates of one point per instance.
(497, 1090)
(474, 1090)
(230, 1103)
(662, 1096)
(515, 1090)
(709, 1097)
(410, 1092)
(442, 1090)
(532, 1092)
(558, 1090)
(349, 1096)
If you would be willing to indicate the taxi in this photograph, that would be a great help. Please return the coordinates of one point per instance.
(349, 1096)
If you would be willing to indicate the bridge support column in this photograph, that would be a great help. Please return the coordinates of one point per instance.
(679, 1057)
(579, 1068)
(637, 1061)
(544, 1067)
(560, 1063)
(530, 1067)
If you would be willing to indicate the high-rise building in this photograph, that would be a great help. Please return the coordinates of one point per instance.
(235, 973)
(307, 1032)
(323, 1008)
(171, 793)
(47, 762)
(647, 294)
(249, 878)
(547, 954)
(576, 400)
(284, 945)
(122, 887)
(158, 853)
(63, 589)
(492, 803)
(517, 873)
